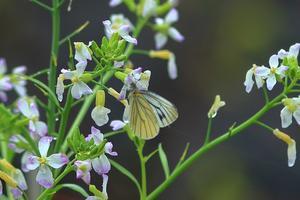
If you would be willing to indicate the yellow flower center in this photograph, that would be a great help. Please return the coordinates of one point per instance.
(75, 79)
(273, 70)
(42, 160)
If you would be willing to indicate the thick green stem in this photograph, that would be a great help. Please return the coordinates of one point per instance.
(53, 62)
(188, 162)
(143, 172)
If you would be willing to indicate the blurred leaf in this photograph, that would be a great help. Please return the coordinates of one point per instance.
(73, 187)
(164, 160)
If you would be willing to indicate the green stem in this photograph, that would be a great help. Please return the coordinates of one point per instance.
(30, 141)
(266, 96)
(113, 133)
(188, 162)
(264, 126)
(63, 121)
(208, 132)
(53, 61)
(143, 172)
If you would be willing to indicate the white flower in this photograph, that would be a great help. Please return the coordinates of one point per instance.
(161, 37)
(120, 25)
(270, 73)
(60, 87)
(100, 115)
(44, 176)
(149, 8)
(136, 79)
(291, 109)
(249, 79)
(79, 88)
(82, 54)
(292, 53)
(29, 109)
(172, 67)
(291, 151)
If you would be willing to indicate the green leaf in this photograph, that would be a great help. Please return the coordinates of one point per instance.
(182, 158)
(71, 186)
(164, 160)
(127, 173)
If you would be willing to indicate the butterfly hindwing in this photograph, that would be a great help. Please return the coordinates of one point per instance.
(142, 119)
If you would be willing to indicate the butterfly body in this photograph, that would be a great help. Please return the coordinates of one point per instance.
(148, 112)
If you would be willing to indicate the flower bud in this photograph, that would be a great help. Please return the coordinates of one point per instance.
(5, 165)
(100, 98)
(121, 76)
(215, 107)
(162, 54)
(116, 95)
(291, 151)
(8, 179)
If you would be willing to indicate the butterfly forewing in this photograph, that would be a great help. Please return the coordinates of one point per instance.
(142, 119)
(165, 112)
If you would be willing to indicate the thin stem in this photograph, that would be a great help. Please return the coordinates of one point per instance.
(39, 73)
(30, 141)
(208, 132)
(42, 5)
(189, 161)
(264, 125)
(140, 51)
(113, 133)
(76, 32)
(266, 96)
(53, 61)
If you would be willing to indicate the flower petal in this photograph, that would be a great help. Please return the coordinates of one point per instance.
(286, 117)
(172, 67)
(175, 35)
(273, 61)
(44, 145)
(172, 16)
(117, 125)
(294, 50)
(292, 153)
(160, 40)
(23, 106)
(271, 81)
(31, 162)
(101, 165)
(100, 115)
(57, 160)
(281, 70)
(262, 71)
(41, 128)
(114, 3)
(108, 149)
(20, 179)
(3, 66)
(104, 184)
(96, 135)
(44, 177)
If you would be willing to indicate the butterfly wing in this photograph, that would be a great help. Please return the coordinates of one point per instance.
(142, 118)
(165, 111)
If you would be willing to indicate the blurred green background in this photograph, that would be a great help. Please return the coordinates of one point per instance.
(223, 40)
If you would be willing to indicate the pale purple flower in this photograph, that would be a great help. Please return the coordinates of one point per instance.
(44, 176)
(29, 109)
(13, 143)
(117, 125)
(292, 53)
(270, 73)
(83, 169)
(165, 25)
(60, 87)
(121, 27)
(5, 83)
(18, 82)
(172, 67)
